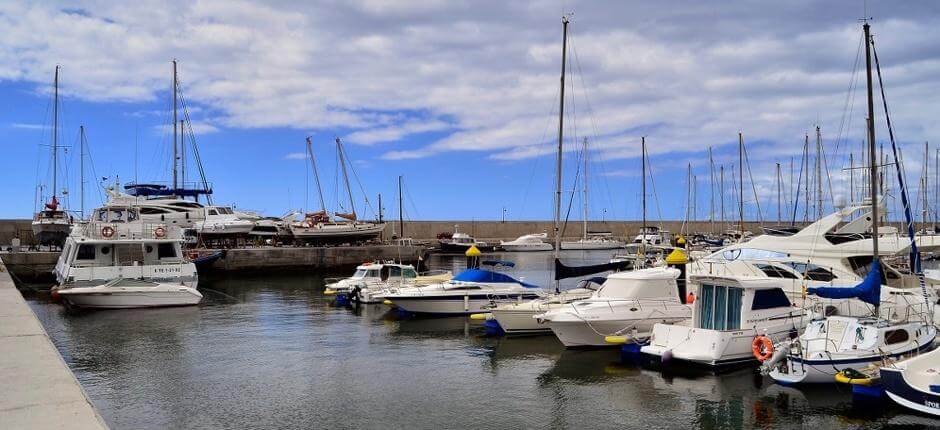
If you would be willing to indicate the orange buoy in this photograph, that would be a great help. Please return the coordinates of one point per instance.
(762, 347)
(689, 298)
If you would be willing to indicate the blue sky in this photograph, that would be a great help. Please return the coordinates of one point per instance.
(460, 98)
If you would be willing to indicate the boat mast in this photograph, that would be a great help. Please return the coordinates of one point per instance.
(779, 193)
(926, 155)
(316, 176)
(721, 193)
(851, 178)
(342, 161)
(806, 169)
(585, 178)
(561, 133)
(741, 181)
(55, 136)
(711, 189)
(175, 158)
(819, 192)
(643, 191)
(81, 163)
(873, 157)
(401, 216)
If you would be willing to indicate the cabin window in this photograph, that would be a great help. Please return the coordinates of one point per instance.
(768, 299)
(813, 272)
(373, 273)
(360, 273)
(776, 272)
(166, 250)
(466, 287)
(719, 307)
(409, 273)
(86, 252)
(394, 271)
(752, 254)
(896, 336)
(213, 212)
(153, 211)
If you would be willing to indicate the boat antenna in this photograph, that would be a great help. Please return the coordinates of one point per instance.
(316, 176)
(561, 133)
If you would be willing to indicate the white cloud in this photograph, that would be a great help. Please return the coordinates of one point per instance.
(26, 126)
(296, 156)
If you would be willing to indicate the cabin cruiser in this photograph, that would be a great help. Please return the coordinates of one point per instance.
(528, 242)
(273, 227)
(169, 210)
(915, 382)
(628, 304)
(728, 313)
(222, 220)
(118, 261)
(471, 291)
(835, 343)
(460, 242)
(319, 227)
(369, 281)
(652, 235)
(591, 241)
(519, 317)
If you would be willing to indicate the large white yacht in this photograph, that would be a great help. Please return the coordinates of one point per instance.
(168, 210)
(528, 242)
(118, 261)
(592, 241)
(222, 220)
(628, 304)
(471, 291)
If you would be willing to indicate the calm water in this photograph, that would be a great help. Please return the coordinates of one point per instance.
(270, 351)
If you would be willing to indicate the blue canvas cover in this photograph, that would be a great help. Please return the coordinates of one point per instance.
(480, 275)
(869, 291)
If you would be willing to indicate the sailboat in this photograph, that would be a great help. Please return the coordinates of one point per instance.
(589, 240)
(320, 227)
(51, 225)
(839, 347)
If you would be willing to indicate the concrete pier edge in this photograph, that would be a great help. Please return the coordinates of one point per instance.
(40, 391)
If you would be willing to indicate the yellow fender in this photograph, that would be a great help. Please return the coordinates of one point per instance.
(616, 340)
(329, 292)
(481, 316)
(387, 302)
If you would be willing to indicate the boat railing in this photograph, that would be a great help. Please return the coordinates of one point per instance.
(130, 231)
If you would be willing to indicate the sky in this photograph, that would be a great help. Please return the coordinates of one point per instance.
(461, 99)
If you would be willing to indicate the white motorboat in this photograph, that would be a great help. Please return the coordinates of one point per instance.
(528, 242)
(519, 317)
(652, 235)
(222, 220)
(471, 291)
(727, 314)
(370, 280)
(168, 210)
(915, 382)
(460, 242)
(593, 241)
(628, 304)
(117, 261)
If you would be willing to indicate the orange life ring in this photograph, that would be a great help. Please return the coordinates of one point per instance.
(762, 348)
(159, 232)
(107, 231)
(193, 255)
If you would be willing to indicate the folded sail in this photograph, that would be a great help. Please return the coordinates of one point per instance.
(564, 272)
(869, 291)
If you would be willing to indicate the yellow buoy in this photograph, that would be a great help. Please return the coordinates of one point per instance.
(329, 292)
(473, 252)
(615, 340)
(387, 302)
(481, 316)
(676, 257)
(680, 240)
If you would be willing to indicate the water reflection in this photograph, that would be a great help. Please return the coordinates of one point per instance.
(271, 351)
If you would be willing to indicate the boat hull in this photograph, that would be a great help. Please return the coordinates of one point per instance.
(520, 321)
(51, 234)
(130, 297)
(906, 394)
(450, 305)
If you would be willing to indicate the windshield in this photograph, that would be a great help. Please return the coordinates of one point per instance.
(360, 273)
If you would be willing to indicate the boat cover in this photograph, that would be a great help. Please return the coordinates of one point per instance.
(564, 272)
(487, 276)
(869, 291)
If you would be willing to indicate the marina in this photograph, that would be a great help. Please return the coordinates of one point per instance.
(170, 301)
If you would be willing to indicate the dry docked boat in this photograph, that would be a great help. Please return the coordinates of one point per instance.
(221, 220)
(627, 304)
(471, 291)
(118, 261)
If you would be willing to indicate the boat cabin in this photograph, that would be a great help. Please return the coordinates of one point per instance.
(727, 304)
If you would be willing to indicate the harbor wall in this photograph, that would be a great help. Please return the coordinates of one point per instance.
(492, 230)
(313, 258)
(39, 389)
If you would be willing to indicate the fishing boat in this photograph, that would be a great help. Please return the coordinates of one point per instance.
(527, 243)
(320, 227)
(628, 304)
(915, 382)
(51, 224)
(471, 291)
(116, 260)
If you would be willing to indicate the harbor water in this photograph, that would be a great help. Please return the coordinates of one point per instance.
(271, 351)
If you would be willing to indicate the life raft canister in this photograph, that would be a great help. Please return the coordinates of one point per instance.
(762, 348)
(107, 231)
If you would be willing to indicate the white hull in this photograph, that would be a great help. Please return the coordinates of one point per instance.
(711, 347)
(520, 321)
(337, 231)
(590, 245)
(526, 247)
(442, 306)
(574, 334)
(104, 297)
(208, 228)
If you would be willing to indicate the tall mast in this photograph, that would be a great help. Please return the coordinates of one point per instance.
(779, 194)
(81, 162)
(873, 157)
(721, 192)
(936, 187)
(643, 191)
(585, 178)
(851, 178)
(806, 186)
(924, 186)
(175, 88)
(342, 162)
(182, 154)
(316, 175)
(401, 211)
(561, 132)
(711, 189)
(819, 192)
(55, 135)
(741, 180)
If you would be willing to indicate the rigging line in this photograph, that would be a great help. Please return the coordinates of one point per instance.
(359, 182)
(195, 148)
(94, 172)
(593, 121)
(844, 125)
(825, 166)
(571, 195)
(649, 168)
(540, 144)
(747, 163)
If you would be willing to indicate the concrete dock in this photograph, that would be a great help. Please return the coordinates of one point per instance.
(39, 390)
